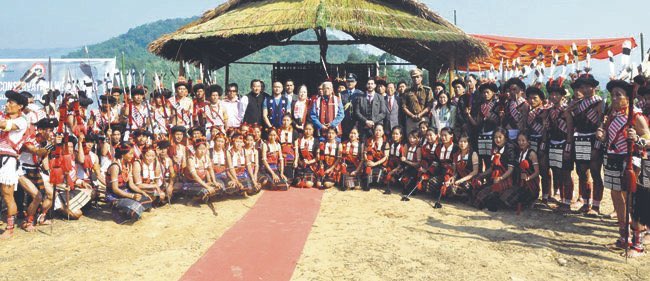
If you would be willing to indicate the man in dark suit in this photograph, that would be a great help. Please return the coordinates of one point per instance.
(369, 110)
(393, 106)
(347, 97)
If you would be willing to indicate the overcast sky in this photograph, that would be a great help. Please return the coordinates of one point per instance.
(74, 23)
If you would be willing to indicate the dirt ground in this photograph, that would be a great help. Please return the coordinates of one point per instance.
(357, 236)
(161, 246)
(370, 236)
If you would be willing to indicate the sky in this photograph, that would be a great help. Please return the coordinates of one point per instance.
(75, 23)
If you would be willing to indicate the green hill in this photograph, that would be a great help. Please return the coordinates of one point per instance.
(134, 46)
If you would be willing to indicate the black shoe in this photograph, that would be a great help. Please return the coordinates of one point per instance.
(366, 188)
(387, 191)
(437, 205)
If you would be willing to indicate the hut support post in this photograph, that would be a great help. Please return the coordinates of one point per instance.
(452, 76)
(321, 35)
(227, 75)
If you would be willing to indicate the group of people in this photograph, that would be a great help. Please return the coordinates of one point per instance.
(492, 145)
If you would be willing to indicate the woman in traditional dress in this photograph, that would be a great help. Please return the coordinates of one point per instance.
(167, 173)
(352, 161)
(376, 156)
(306, 161)
(147, 174)
(240, 168)
(528, 168)
(219, 165)
(410, 176)
(395, 153)
(203, 184)
(300, 109)
(127, 200)
(252, 147)
(466, 168)
(273, 164)
(330, 160)
(287, 137)
(499, 176)
(444, 162)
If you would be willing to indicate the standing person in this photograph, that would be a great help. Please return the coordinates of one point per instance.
(327, 111)
(487, 120)
(12, 136)
(560, 140)
(614, 133)
(393, 108)
(438, 87)
(233, 108)
(537, 138)
(514, 115)
(416, 101)
(199, 103)
(137, 111)
(443, 113)
(161, 113)
(301, 109)
(348, 97)
(253, 103)
(369, 110)
(289, 88)
(587, 117)
(214, 112)
(182, 106)
(274, 107)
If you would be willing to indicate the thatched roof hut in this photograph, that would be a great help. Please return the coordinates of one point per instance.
(237, 28)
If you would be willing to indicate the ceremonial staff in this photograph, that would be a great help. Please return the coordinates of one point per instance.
(629, 177)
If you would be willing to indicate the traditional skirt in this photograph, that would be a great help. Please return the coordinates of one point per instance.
(33, 174)
(376, 175)
(641, 198)
(305, 174)
(127, 209)
(485, 144)
(535, 141)
(9, 170)
(484, 197)
(248, 185)
(613, 170)
(350, 181)
(73, 199)
(267, 178)
(583, 145)
(556, 156)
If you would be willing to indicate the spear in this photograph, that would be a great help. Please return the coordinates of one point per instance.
(576, 58)
(588, 66)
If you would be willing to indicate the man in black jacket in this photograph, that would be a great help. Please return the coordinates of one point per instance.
(369, 110)
(253, 103)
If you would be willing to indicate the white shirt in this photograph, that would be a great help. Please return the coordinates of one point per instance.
(233, 110)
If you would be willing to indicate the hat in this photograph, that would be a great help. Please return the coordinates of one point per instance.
(351, 77)
(488, 86)
(85, 102)
(415, 72)
(556, 86)
(458, 81)
(181, 82)
(18, 98)
(117, 90)
(53, 94)
(47, 123)
(137, 91)
(583, 79)
(535, 91)
(107, 99)
(27, 94)
(196, 128)
(178, 129)
(627, 87)
(515, 81)
(438, 83)
(163, 144)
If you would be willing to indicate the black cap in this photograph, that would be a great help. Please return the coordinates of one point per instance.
(47, 123)
(535, 91)
(137, 91)
(585, 79)
(515, 81)
(198, 86)
(27, 94)
(458, 81)
(163, 144)
(17, 97)
(85, 102)
(438, 83)
(627, 87)
(351, 77)
(107, 99)
(488, 86)
(117, 90)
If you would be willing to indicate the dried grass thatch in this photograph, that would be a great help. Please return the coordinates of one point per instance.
(237, 28)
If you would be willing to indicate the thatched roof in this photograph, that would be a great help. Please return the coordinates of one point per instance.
(237, 28)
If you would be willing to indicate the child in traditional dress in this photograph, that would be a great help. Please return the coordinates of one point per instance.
(306, 162)
(376, 156)
(273, 164)
(352, 161)
(330, 154)
(396, 152)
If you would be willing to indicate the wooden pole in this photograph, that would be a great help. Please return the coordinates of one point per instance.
(642, 48)
(452, 76)
(227, 75)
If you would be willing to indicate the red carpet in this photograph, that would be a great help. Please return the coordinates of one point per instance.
(266, 243)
